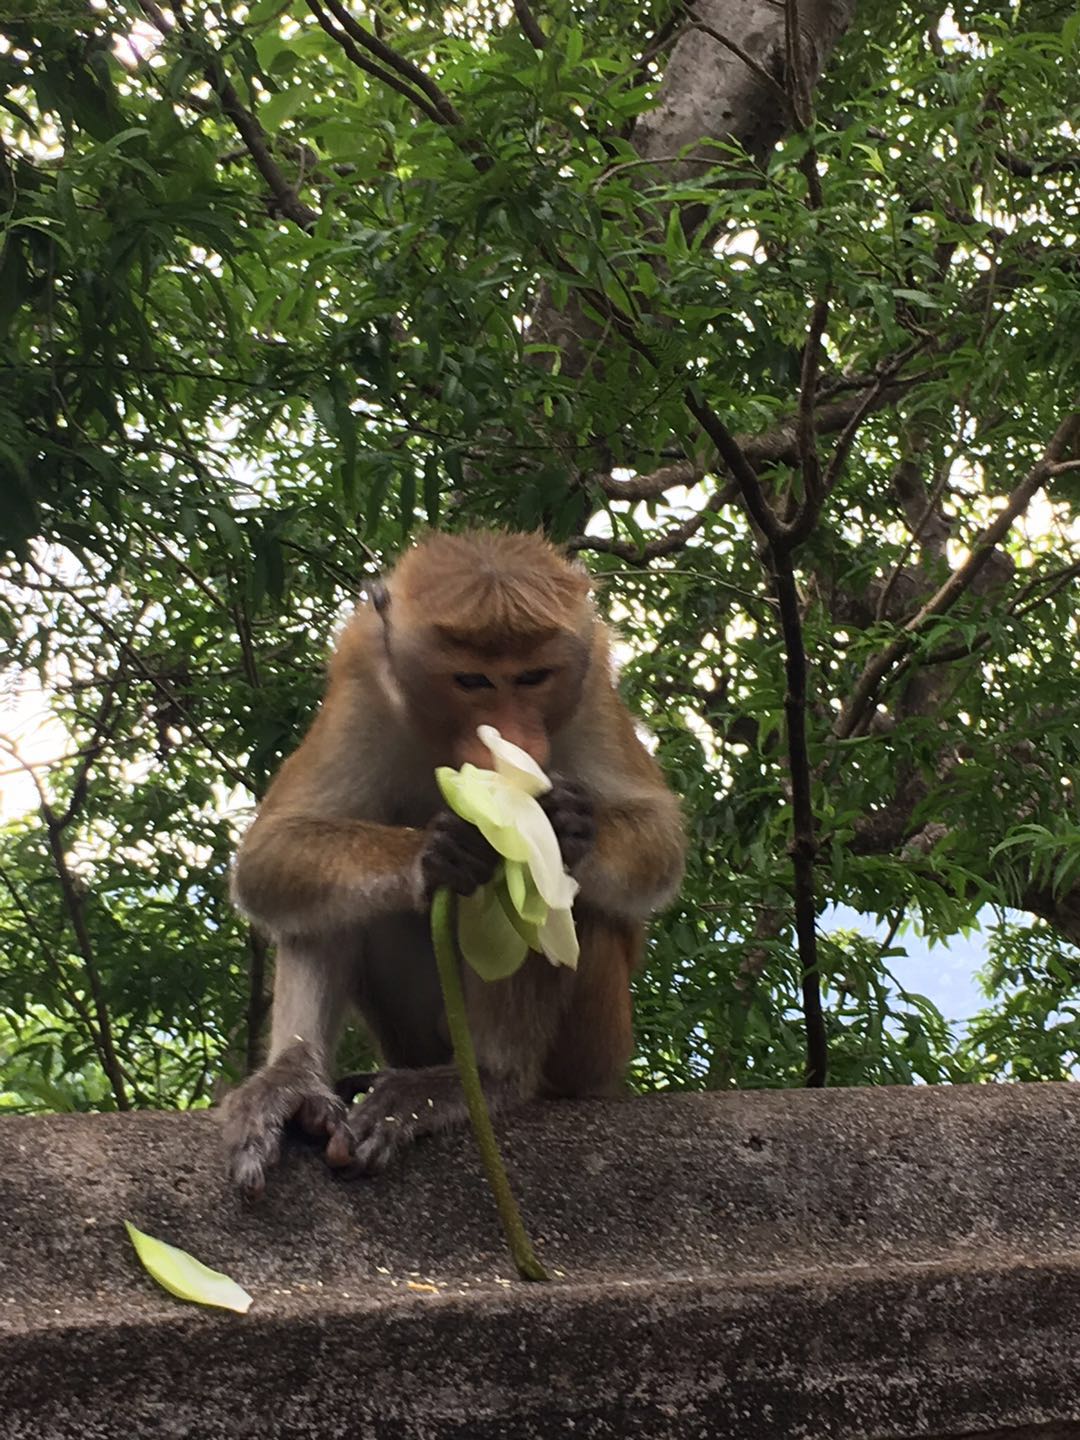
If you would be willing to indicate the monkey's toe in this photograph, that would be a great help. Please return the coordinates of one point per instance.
(249, 1161)
(379, 1128)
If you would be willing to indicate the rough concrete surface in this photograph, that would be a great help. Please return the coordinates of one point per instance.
(886, 1264)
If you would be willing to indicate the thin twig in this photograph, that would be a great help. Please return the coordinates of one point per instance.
(70, 995)
(124, 647)
(286, 200)
(671, 541)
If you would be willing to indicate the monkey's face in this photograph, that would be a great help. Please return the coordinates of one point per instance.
(526, 692)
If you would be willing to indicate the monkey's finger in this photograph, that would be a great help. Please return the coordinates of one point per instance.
(377, 1142)
(456, 836)
(461, 871)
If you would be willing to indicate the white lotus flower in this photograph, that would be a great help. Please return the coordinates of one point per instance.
(527, 905)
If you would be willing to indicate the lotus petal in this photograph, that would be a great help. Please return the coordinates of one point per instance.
(181, 1274)
(489, 941)
(523, 894)
(486, 801)
(514, 764)
(528, 931)
(558, 938)
(542, 854)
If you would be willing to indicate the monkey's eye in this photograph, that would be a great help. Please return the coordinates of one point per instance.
(533, 677)
(473, 682)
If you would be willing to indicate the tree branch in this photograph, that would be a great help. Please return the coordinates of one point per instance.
(438, 104)
(384, 77)
(651, 487)
(770, 82)
(530, 26)
(286, 200)
(874, 672)
(671, 541)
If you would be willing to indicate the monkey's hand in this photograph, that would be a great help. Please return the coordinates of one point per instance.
(570, 810)
(254, 1116)
(455, 854)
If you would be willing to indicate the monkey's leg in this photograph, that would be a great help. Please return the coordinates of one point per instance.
(592, 1046)
(312, 982)
(512, 1022)
(349, 1086)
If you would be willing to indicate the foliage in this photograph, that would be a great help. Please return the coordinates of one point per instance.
(262, 316)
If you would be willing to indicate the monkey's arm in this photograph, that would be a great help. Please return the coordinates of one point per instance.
(635, 861)
(318, 858)
(309, 874)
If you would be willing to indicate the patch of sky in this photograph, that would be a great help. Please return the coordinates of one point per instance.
(945, 973)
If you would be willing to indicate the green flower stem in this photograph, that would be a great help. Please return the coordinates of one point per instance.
(443, 917)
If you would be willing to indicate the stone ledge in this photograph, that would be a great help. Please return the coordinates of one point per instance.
(875, 1263)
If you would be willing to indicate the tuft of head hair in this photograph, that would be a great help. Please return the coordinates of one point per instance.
(490, 588)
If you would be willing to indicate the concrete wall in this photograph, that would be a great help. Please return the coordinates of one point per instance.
(889, 1263)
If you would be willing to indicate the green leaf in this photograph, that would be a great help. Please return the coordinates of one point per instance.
(184, 1276)
(282, 106)
(228, 529)
(263, 10)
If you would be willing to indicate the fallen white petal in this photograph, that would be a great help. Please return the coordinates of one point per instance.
(182, 1275)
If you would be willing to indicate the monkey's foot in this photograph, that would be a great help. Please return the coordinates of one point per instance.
(254, 1116)
(401, 1106)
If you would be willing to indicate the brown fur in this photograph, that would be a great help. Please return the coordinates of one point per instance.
(490, 591)
(337, 864)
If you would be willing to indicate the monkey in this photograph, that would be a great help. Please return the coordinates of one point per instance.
(352, 840)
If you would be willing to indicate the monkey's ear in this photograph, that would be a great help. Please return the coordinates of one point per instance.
(379, 596)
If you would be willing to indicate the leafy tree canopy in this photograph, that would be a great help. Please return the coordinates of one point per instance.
(282, 282)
